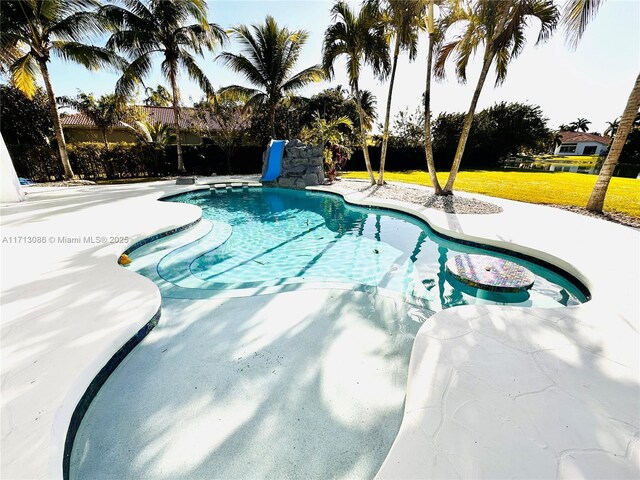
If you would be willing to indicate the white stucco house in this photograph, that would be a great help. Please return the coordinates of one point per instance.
(582, 143)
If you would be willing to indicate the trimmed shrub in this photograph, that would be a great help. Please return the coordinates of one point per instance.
(130, 160)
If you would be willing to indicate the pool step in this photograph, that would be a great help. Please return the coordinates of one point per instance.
(223, 186)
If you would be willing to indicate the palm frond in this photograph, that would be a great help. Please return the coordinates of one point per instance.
(78, 25)
(576, 16)
(133, 74)
(250, 96)
(23, 75)
(303, 78)
(442, 56)
(89, 56)
(196, 74)
(241, 64)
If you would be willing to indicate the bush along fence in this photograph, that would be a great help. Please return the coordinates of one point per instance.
(128, 160)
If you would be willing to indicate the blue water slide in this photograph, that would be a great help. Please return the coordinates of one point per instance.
(275, 151)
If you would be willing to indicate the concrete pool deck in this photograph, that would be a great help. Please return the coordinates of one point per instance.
(492, 391)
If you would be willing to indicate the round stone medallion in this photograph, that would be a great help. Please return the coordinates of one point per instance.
(490, 273)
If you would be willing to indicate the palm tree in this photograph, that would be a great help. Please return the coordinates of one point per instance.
(612, 128)
(361, 38)
(269, 54)
(33, 31)
(105, 112)
(567, 128)
(159, 134)
(581, 124)
(576, 16)
(148, 29)
(557, 140)
(596, 199)
(158, 97)
(368, 102)
(500, 26)
(403, 19)
(323, 131)
(435, 34)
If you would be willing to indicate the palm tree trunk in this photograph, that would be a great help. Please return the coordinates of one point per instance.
(428, 145)
(272, 119)
(104, 139)
(385, 133)
(468, 120)
(596, 200)
(176, 117)
(363, 137)
(57, 126)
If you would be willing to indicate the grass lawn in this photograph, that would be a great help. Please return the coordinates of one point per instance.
(561, 188)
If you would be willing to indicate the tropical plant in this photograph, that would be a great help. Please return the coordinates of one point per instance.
(269, 55)
(158, 97)
(231, 119)
(581, 124)
(500, 131)
(159, 134)
(435, 35)
(333, 103)
(148, 29)
(367, 105)
(323, 132)
(500, 26)
(30, 123)
(612, 128)
(105, 112)
(408, 129)
(556, 140)
(576, 16)
(599, 193)
(361, 38)
(567, 128)
(32, 31)
(403, 21)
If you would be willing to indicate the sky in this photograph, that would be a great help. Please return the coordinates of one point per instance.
(592, 81)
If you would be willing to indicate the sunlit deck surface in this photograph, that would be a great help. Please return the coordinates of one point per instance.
(492, 391)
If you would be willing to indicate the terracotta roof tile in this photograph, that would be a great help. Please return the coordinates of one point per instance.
(574, 137)
(163, 115)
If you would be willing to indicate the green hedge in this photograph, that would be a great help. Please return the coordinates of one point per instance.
(91, 161)
(129, 160)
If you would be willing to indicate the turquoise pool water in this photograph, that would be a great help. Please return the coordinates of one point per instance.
(303, 384)
(263, 237)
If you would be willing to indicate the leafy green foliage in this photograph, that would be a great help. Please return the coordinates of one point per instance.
(24, 121)
(581, 124)
(500, 28)
(323, 132)
(32, 31)
(360, 37)
(267, 60)
(147, 29)
(334, 103)
(106, 111)
(160, 97)
(159, 134)
(501, 130)
(408, 129)
(231, 119)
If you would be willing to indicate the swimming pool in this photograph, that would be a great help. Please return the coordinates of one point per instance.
(263, 237)
(288, 319)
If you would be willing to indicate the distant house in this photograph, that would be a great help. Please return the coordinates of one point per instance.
(581, 143)
(80, 128)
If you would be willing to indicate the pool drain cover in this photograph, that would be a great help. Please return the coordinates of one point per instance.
(490, 273)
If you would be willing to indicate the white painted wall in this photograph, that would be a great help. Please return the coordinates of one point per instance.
(600, 148)
(10, 189)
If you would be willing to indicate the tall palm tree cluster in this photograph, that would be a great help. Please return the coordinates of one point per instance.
(371, 35)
